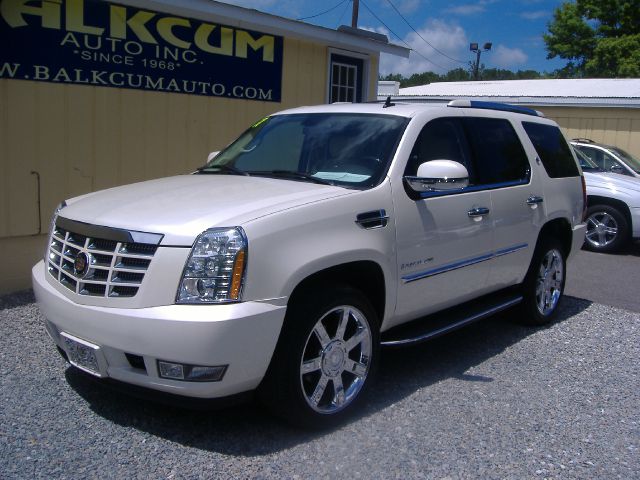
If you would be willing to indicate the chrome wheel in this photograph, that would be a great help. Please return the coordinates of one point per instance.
(336, 359)
(549, 281)
(602, 229)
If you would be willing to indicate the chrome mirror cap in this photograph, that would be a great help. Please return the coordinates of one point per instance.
(439, 176)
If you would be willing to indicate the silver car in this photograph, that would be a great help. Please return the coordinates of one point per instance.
(613, 201)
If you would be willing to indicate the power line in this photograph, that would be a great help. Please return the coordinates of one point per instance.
(322, 13)
(343, 12)
(400, 38)
(423, 39)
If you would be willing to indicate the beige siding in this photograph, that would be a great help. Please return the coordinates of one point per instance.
(614, 126)
(82, 138)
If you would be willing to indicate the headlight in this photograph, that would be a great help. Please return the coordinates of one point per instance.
(214, 272)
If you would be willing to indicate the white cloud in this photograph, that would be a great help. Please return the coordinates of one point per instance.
(534, 15)
(381, 30)
(471, 9)
(409, 6)
(505, 57)
(449, 38)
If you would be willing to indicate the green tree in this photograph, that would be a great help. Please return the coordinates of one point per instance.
(598, 38)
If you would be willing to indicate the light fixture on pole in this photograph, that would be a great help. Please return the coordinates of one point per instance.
(474, 47)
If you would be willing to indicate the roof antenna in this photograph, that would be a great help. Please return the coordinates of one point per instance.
(388, 103)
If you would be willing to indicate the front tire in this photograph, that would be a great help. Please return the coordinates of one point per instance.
(607, 229)
(543, 286)
(325, 359)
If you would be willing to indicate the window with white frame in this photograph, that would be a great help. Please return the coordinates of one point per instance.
(346, 82)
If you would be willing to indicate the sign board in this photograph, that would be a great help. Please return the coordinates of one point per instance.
(99, 43)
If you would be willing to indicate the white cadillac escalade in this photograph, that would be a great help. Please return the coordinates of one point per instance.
(321, 234)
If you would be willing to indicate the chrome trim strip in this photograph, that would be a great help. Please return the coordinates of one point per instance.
(509, 250)
(464, 263)
(447, 268)
(476, 188)
(108, 233)
(454, 326)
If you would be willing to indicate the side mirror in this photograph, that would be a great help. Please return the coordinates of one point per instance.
(439, 176)
(212, 155)
(617, 168)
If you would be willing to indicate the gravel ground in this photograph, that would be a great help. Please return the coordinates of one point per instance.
(495, 400)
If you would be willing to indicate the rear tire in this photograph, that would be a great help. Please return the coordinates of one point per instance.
(543, 286)
(325, 359)
(607, 229)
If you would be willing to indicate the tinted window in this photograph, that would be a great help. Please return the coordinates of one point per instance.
(440, 139)
(498, 154)
(552, 149)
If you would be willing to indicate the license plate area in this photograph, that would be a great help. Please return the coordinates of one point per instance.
(84, 355)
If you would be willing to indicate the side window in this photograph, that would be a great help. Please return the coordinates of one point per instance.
(552, 149)
(440, 139)
(610, 162)
(498, 154)
(594, 155)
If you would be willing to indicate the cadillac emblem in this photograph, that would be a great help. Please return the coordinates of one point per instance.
(81, 264)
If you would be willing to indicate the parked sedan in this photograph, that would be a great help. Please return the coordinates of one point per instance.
(613, 207)
(608, 158)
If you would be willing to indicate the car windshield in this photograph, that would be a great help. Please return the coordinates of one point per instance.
(627, 158)
(586, 163)
(351, 150)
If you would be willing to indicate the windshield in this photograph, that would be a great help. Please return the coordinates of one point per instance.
(630, 160)
(352, 150)
(586, 163)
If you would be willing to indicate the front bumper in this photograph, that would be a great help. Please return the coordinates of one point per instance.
(241, 335)
(635, 222)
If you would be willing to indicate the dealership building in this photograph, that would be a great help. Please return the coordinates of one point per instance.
(95, 94)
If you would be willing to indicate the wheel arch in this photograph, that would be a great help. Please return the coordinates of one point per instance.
(559, 228)
(364, 275)
(621, 206)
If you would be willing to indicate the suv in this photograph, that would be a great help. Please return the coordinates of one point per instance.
(608, 158)
(320, 234)
(613, 213)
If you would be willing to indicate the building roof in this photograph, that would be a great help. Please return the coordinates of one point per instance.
(601, 92)
(234, 16)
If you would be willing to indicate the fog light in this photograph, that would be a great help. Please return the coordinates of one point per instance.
(175, 371)
(191, 373)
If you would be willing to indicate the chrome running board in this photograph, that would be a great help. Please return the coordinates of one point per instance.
(444, 322)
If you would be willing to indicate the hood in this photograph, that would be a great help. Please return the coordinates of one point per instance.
(182, 207)
(613, 180)
(614, 185)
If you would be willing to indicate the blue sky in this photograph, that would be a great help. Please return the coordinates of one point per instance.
(515, 28)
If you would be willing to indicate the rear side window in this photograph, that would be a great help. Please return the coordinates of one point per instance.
(552, 149)
(498, 154)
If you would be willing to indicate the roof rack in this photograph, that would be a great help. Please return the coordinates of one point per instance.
(582, 140)
(504, 107)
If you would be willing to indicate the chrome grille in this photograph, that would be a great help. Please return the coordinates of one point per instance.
(115, 268)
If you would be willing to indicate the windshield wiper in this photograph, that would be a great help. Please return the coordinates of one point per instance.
(222, 168)
(294, 174)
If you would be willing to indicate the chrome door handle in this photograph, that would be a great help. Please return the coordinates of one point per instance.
(478, 212)
(534, 200)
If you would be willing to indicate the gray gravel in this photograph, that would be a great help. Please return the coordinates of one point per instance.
(492, 401)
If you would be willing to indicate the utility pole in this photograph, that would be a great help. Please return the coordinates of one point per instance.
(354, 15)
